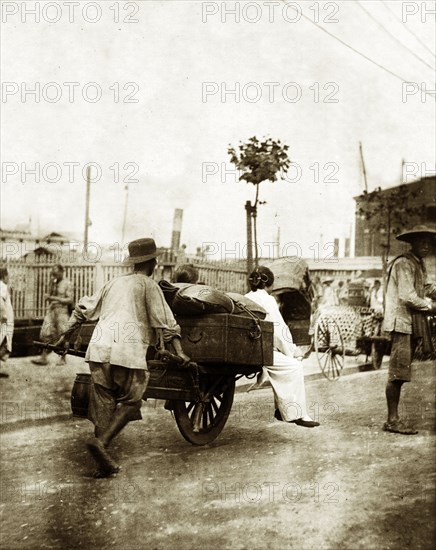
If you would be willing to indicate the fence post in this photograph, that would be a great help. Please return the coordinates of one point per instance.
(30, 296)
(98, 277)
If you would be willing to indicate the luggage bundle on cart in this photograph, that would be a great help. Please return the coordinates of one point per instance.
(222, 346)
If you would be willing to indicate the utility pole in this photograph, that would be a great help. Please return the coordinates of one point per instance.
(363, 166)
(126, 188)
(402, 172)
(248, 209)
(276, 252)
(88, 194)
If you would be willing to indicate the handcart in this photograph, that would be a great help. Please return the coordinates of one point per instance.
(223, 348)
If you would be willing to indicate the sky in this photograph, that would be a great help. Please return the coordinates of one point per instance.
(143, 90)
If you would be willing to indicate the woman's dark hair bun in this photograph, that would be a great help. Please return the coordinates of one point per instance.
(261, 277)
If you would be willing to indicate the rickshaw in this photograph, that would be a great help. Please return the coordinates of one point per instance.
(331, 332)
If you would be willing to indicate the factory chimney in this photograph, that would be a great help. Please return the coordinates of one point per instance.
(177, 230)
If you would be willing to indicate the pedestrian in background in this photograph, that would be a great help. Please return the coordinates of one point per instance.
(186, 273)
(318, 291)
(7, 320)
(342, 293)
(329, 297)
(407, 297)
(60, 300)
(376, 297)
(366, 290)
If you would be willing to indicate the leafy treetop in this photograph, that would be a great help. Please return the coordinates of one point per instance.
(260, 160)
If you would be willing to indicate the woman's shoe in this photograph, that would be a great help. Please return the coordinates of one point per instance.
(305, 423)
(278, 415)
(298, 421)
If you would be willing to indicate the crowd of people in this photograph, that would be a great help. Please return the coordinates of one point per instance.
(118, 366)
(337, 293)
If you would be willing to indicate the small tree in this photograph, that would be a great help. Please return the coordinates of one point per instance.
(258, 161)
(388, 212)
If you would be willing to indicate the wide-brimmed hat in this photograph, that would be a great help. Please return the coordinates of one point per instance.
(416, 231)
(327, 281)
(141, 250)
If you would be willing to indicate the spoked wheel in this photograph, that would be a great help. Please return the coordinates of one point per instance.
(201, 422)
(329, 347)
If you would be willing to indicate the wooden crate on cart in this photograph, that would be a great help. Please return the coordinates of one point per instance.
(227, 339)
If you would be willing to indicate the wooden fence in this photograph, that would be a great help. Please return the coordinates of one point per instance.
(29, 281)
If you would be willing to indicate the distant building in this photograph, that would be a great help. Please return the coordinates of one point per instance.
(20, 242)
(370, 243)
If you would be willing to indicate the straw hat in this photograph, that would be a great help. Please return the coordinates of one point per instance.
(418, 230)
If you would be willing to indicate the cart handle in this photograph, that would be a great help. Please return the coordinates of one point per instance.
(59, 349)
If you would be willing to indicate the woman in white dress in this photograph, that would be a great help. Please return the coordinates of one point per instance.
(286, 375)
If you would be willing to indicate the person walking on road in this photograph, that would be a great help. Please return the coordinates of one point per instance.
(407, 297)
(7, 320)
(286, 374)
(342, 293)
(376, 297)
(329, 297)
(132, 315)
(60, 299)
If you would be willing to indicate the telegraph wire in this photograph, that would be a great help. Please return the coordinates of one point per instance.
(408, 29)
(379, 65)
(393, 36)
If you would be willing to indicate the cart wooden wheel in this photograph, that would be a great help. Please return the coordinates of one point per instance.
(329, 347)
(201, 422)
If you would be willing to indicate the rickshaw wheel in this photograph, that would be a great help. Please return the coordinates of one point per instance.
(329, 347)
(210, 415)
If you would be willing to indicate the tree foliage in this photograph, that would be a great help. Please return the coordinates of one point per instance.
(388, 212)
(259, 161)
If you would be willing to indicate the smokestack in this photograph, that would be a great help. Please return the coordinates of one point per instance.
(276, 246)
(177, 230)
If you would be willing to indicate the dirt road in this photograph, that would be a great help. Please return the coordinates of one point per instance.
(261, 484)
